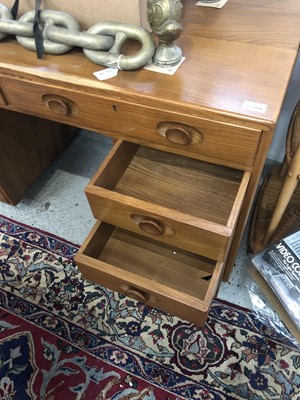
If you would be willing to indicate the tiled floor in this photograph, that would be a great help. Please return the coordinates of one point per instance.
(56, 203)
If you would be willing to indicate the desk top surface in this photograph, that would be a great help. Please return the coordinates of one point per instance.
(244, 52)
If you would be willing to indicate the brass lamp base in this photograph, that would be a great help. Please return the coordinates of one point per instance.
(167, 55)
(164, 17)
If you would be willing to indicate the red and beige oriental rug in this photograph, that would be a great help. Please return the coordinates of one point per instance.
(62, 337)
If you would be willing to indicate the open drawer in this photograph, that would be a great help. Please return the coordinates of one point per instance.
(177, 200)
(172, 280)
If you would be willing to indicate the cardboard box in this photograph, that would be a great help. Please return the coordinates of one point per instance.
(88, 13)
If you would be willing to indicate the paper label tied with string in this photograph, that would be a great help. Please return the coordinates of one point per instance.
(211, 3)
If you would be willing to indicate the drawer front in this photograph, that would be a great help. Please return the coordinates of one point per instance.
(178, 133)
(183, 204)
(162, 277)
(200, 239)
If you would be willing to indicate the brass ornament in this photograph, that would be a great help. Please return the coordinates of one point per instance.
(165, 19)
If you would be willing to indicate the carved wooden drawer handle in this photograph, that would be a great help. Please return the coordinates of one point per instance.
(152, 225)
(60, 105)
(178, 136)
(134, 293)
(178, 133)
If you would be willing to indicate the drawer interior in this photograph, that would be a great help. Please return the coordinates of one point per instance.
(183, 184)
(149, 264)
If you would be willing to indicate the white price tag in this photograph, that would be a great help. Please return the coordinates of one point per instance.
(253, 106)
(213, 4)
(163, 70)
(106, 74)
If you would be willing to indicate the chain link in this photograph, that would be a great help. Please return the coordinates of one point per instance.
(101, 44)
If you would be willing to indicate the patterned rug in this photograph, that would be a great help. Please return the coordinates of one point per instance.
(62, 337)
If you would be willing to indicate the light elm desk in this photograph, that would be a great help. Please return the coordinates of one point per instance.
(175, 193)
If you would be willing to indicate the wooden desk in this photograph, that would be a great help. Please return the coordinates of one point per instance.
(228, 93)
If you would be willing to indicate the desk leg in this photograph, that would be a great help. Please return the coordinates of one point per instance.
(27, 145)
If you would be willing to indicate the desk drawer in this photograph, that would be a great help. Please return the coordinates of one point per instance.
(159, 275)
(177, 200)
(199, 138)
